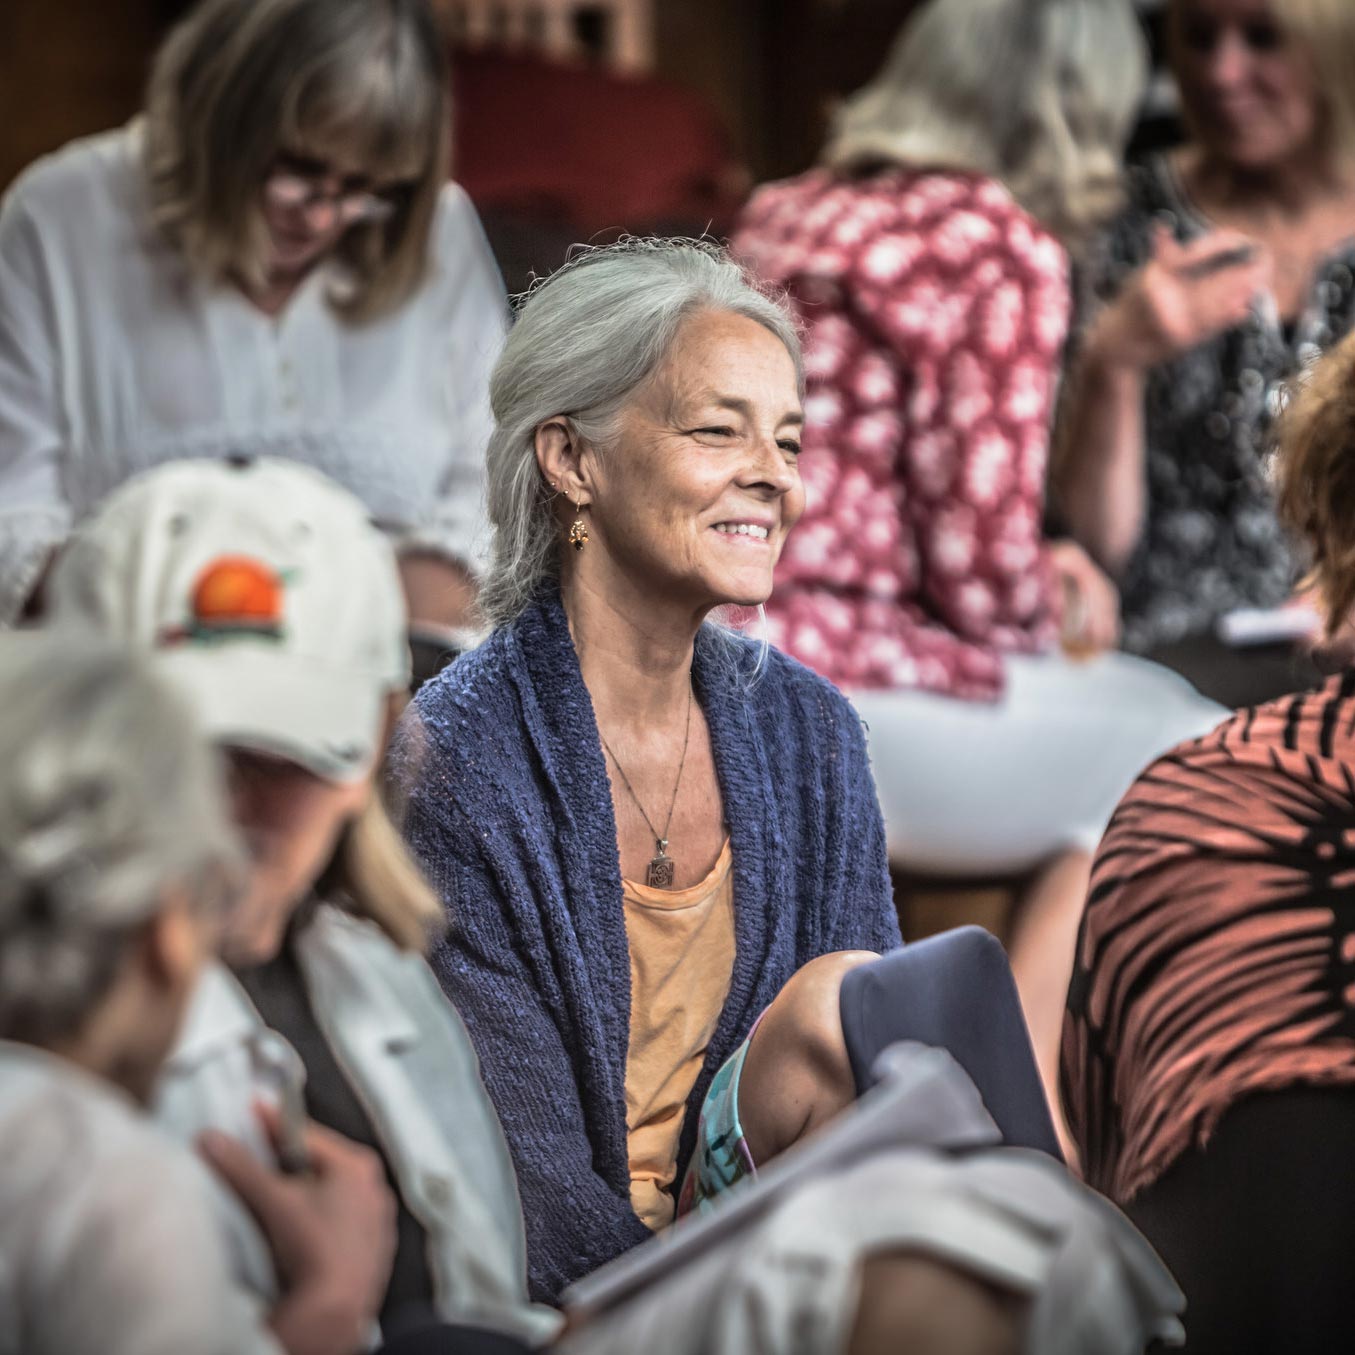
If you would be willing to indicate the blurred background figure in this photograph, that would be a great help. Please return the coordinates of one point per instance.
(117, 869)
(269, 259)
(1209, 1048)
(927, 259)
(270, 598)
(1229, 270)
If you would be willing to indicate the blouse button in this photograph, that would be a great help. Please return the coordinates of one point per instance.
(438, 1190)
(1218, 425)
(1252, 380)
(1331, 294)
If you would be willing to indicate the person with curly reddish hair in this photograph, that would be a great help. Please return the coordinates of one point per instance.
(1209, 1044)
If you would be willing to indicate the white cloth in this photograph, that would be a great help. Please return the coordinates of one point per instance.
(788, 1283)
(115, 356)
(108, 1241)
(414, 1071)
(973, 788)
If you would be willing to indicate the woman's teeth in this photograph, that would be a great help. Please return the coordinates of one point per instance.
(742, 529)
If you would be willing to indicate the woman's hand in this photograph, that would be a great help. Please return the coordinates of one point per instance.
(331, 1231)
(1091, 602)
(1182, 297)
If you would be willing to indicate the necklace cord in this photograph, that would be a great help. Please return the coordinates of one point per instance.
(660, 838)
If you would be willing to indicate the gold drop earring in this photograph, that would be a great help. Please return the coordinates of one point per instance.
(578, 533)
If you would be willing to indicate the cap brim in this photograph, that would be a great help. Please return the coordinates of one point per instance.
(326, 720)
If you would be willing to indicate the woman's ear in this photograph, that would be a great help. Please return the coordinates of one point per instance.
(174, 945)
(559, 455)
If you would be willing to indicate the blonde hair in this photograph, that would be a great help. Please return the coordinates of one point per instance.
(373, 876)
(1315, 476)
(1326, 31)
(240, 81)
(1038, 94)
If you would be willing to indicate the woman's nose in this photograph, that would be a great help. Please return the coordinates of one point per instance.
(771, 468)
(1228, 62)
(322, 215)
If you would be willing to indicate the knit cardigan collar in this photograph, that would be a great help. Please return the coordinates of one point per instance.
(562, 727)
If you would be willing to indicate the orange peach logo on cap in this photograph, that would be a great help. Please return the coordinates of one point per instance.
(234, 595)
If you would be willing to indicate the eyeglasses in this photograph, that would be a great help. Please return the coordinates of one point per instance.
(296, 183)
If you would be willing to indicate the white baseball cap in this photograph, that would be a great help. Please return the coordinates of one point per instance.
(264, 588)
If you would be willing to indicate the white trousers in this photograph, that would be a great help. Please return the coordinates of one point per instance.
(974, 788)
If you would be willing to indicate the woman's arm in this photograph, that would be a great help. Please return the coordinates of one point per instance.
(1182, 297)
(575, 1219)
(34, 515)
(1099, 478)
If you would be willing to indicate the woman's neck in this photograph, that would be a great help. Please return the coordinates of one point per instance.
(110, 1046)
(635, 654)
(1287, 189)
(277, 291)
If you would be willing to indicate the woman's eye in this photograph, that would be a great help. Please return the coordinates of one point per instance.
(790, 446)
(1262, 37)
(717, 432)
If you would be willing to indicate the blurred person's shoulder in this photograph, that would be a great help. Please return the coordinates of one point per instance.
(64, 1133)
(455, 220)
(76, 185)
(1255, 758)
(471, 698)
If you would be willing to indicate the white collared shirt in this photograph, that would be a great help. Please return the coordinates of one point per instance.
(108, 1240)
(411, 1064)
(116, 356)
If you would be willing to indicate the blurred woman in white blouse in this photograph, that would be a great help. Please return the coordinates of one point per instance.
(270, 259)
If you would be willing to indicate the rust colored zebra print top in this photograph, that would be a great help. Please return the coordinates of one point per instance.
(1217, 954)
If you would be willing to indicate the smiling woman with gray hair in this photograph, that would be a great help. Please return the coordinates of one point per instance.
(643, 823)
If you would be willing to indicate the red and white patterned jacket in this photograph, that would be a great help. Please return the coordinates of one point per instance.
(935, 311)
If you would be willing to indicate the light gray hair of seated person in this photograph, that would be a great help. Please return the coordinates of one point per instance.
(1037, 94)
(109, 799)
(584, 341)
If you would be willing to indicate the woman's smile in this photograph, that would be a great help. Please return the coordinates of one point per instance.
(746, 532)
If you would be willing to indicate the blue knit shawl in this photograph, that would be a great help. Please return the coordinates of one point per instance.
(509, 809)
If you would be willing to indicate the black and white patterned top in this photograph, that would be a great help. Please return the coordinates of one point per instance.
(1211, 540)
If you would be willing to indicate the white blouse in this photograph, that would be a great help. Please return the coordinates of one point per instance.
(115, 356)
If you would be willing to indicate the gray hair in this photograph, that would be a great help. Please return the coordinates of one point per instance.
(1038, 94)
(108, 798)
(585, 339)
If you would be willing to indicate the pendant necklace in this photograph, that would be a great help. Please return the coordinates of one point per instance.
(659, 874)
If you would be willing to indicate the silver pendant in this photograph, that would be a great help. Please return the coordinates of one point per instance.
(660, 872)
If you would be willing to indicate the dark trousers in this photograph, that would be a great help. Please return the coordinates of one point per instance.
(1259, 1226)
